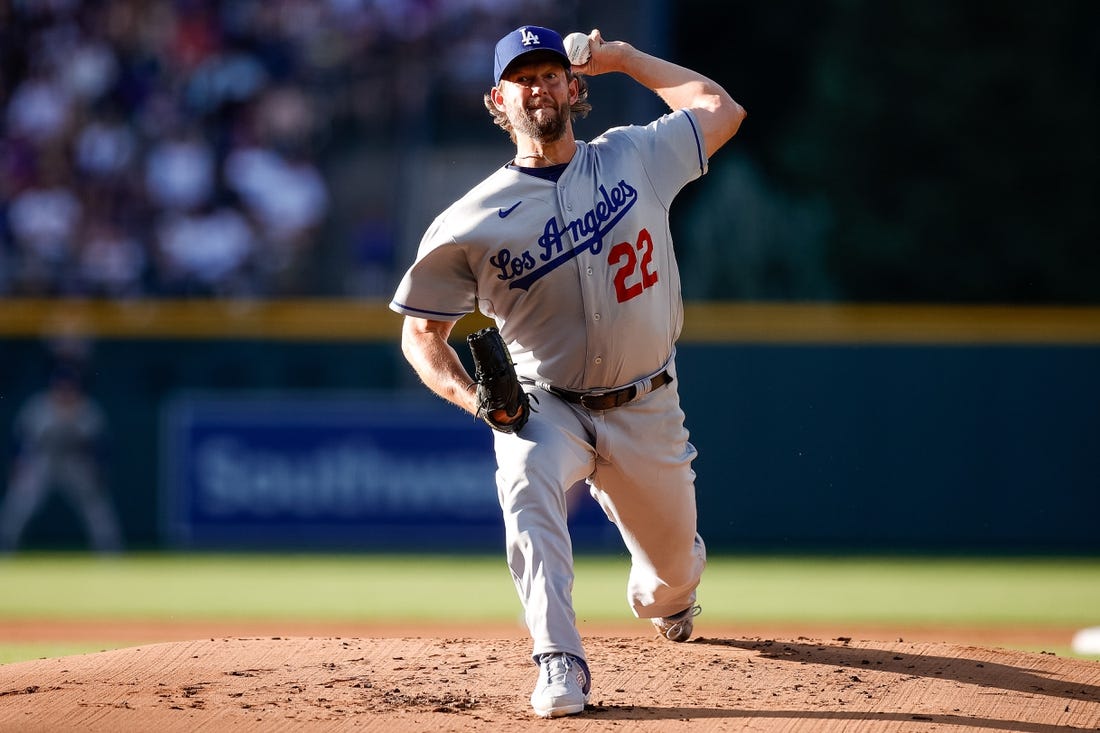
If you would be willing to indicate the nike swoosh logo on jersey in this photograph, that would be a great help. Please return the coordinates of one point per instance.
(505, 212)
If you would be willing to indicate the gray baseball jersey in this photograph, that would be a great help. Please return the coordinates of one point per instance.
(579, 275)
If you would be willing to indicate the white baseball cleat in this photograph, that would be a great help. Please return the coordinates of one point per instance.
(563, 686)
(678, 627)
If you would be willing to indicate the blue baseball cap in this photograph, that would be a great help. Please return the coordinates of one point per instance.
(523, 40)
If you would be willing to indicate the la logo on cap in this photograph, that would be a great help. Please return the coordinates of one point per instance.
(529, 38)
(523, 40)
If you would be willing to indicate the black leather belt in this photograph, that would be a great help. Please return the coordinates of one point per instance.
(607, 400)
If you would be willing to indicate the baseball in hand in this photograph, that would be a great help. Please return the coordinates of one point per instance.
(576, 47)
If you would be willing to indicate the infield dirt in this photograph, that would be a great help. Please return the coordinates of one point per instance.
(480, 682)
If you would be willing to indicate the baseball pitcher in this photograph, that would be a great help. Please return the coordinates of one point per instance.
(567, 248)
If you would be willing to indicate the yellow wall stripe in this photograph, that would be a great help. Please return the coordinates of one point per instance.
(902, 324)
(370, 320)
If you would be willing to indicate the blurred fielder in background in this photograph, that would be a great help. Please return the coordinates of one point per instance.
(60, 434)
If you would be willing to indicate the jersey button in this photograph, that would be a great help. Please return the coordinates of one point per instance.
(595, 316)
(598, 360)
(589, 271)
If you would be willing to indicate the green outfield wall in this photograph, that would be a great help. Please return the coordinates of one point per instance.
(882, 428)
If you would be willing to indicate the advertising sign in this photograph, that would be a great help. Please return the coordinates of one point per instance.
(385, 471)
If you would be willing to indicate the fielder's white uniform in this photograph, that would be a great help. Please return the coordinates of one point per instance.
(581, 279)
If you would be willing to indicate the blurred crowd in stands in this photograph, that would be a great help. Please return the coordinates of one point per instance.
(182, 147)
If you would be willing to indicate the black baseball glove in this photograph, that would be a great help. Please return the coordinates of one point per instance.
(497, 385)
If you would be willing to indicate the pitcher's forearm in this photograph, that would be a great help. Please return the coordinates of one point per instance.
(680, 87)
(425, 346)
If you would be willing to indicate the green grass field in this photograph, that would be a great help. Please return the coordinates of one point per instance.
(997, 593)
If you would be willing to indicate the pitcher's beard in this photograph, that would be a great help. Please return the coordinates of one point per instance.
(545, 129)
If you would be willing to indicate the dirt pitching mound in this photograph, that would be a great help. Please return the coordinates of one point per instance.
(477, 684)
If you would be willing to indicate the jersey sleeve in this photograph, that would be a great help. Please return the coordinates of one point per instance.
(672, 150)
(440, 284)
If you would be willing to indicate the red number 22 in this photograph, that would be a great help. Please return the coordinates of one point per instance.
(627, 255)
